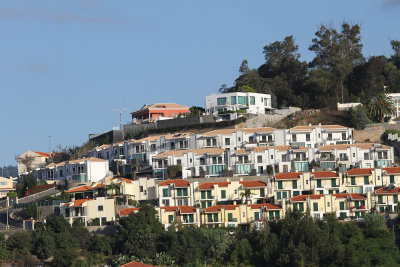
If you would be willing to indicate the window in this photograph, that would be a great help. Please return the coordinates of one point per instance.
(214, 141)
(221, 101)
(165, 192)
(279, 184)
(329, 137)
(233, 100)
(294, 138)
(202, 161)
(165, 202)
(153, 147)
(216, 217)
(209, 196)
(294, 184)
(252, 100)
(301, 206)
(278, 195)
(272, 156)
(141, 188)
(230, 217)
(266, 102)
(284, 194)
(203, 205)
(353, 180)
(344, 136)
(328, 204)
(208, 141)
(341, 205)
(100, 208)
(191, 160)
(380, 199)
(239, 139)
(227, 141)
(179, 162)
(259, 159)
(308, 137)
(354, 155)
(223, 193)
(319, 183)
(315, 206)
(395, 199)
(366, 180)
(172, 145)
(242, 100)
(170, 218)
(366, 156)
(256, 215)
(392, 179)
(333, 182)
(214, 160)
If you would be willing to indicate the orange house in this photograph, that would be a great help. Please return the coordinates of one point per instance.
(152, 112)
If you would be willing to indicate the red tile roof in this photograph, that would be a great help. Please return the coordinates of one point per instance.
(392, 170)
(76, 203)
(183, 209)
(383, 190)
(43, 154)
(177, 182)
(325, 174)
(303, 198)
(82, 188)
(353, 196)
(355, 172)
(128, 181)
(288, 175)
(136, 264)
(210, 185)
(269, 206)
(127, 211)
(220, 207)
(252, 184)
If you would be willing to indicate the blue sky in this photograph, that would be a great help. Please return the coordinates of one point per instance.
(66, 65)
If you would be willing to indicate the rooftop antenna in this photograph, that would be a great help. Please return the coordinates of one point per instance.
(120, 113)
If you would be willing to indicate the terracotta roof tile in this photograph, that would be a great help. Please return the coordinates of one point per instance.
(303, 198)
(43, 154)
(353, 196)
(269, 206)
(288, 175)
(176, 182)
(311, 127)
(76, 203)
(392, 170)
(384, 190)
(346, 146)
(127, 211)
(324, 174)
(357, 172)
(252, 184)
(120, 179)
(218, 208)
(82, 188)
(136, 264)
(182, 209)
(210, 185)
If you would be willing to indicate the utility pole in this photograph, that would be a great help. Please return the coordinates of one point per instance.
(120, 109)
(8, 203)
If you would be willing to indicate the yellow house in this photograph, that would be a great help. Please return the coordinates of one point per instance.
(386, 199)
(350, 204)
(6, 185)
(211, 193)
(257, 190)
(287, 185)
(86, 210)
(185, 215)
(315, 204)
(223, 216)
(325, 182)
(390, 176)
(264, 212)
(360, 180)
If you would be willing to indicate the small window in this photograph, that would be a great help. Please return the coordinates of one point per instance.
(272, 156)
(227, 141)
(100, 208)
(179, 162)
(141, 188)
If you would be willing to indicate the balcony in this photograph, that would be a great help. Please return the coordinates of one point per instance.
(301, 159)
(328, 158)
(343, 158)
(79, 178)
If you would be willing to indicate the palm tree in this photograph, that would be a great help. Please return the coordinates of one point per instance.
(113, 187)
(382, 106)
(246, 194)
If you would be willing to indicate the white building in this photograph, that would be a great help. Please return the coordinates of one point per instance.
(395, 97)
(250, 103)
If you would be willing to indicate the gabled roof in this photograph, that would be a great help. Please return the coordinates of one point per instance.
(353, 196)
(199, 151)
(136, 264)
(127, 211)
(346, 146)
(324, 174)
(392, 170)
(76, 203)
(120, 180)
(210, 185)
(182, 209)
(218, 208)
(303, 198)
(360, 172)
(43, 154)
(176, 182)
(384, 190)
(288, 175)
(253, 184)
(82, 188)
(269, 206)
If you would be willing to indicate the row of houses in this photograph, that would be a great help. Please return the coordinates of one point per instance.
(235, 201)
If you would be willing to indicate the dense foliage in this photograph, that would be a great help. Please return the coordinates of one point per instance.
(338, 72)
(297, 240)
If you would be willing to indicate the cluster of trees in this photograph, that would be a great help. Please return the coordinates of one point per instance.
(338, 73)
(297, 240)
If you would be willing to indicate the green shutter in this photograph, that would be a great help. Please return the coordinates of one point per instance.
(366, 180)
(296, 193)
(301, 206)
(165, 192)
(280, 185)
(315, 206)
(209, 195)
(333, 182)
(277, 215)
(204, 205)
(230, 217)
(191, 218)
(342, 205)
(395, 199)
(256, 215)
(215, 217)
(380, 200)
(271, 215)
(179, 190)
(319, 183)
(278, 195)
(392, 179)
(353, 180)
(284, 195)
(233, 100)
(185, 191)
(294, 184)
(170, 218)
(223, 193)
(203, 194)
(209, 217)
